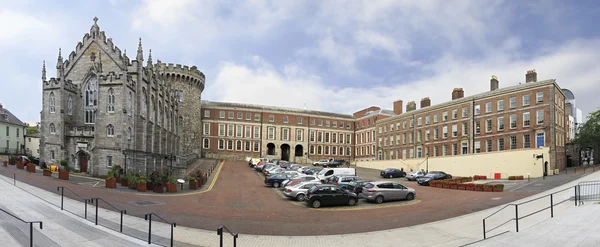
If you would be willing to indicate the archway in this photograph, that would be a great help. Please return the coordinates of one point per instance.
(83, 158)
(285, 152)
(299, 151)
(270, 149)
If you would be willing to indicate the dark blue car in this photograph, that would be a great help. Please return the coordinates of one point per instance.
(276, 179)
(392, 173)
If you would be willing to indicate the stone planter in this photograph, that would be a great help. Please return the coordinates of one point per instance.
(111, 183)
(194, 185)
(149, 185)
(124, 182)
(470, 188)
(20, 165)
(47, 173)
(498, 189)
(141, 187)
(478, 189)
(488, 189)
(63, 174)
(159, 189)
(454, 187)
(462, 188)
(172, 188)
(446, 186)
(31, 168)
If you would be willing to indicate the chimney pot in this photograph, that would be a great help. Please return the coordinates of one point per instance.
(425, 102)
(411, 106)
(458, 93)
(398, 107)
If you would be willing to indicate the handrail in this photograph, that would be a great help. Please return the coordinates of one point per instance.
(220, 233)
(26, 222)
(148, 217)
(505, 206)
(96, 215)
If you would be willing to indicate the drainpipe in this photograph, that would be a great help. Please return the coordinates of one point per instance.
(473, 126)
(261, 134)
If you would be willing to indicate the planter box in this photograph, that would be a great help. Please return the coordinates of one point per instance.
(124, 182)
(20, 165)
(141, 187)
(149, 186)
(439, 185)
(462, 188)
(194, 185)
(111, 183)
(47, 173)
(454, 187)
(63, 174)
(171, 188)
(159, 189)
(488, 189)
(478, 189)
(470, 188)
(31, 168)
(445, 186)
(498, 189)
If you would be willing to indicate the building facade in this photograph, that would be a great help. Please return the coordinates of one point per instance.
(528, 115)
(365, 136)
(32, 144)
(103, 109)
(12, 133)
(236, 131)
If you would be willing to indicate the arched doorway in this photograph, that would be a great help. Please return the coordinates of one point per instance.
(83, 158)
(285, 152)
(270, 149)
(299, 151)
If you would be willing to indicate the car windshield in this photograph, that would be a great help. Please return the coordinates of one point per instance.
(322, 172)
(369, 185)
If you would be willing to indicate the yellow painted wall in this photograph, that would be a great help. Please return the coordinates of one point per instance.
(508, 163)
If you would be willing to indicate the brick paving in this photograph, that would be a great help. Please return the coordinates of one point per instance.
(240, 201)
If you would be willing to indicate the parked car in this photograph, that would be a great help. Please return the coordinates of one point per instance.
(392, 173)
(329, 180)
(312, 171)
(299, 191)
(433, 175)
(381, 191)
(329, 195)
(345, 180)
(299, 179)
(320, 162)
(276, 180)
(335, 163)
(274, 171)
(294, 167)
(358, 186)
(328, 172)
(303, 169)
(412, 176)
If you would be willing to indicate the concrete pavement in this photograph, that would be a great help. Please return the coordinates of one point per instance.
(456, 231)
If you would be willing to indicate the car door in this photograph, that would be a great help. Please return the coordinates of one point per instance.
(338, 196)
(385, 189)
(400, 191)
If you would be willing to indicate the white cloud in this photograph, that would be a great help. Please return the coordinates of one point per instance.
(17, 26)
(572, 65)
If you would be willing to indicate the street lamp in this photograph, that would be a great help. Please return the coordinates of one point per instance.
(541, 156)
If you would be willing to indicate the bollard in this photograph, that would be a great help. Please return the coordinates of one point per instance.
(517, 216)
(551, 207)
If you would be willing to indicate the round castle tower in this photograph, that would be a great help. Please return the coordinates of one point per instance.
(188, 82)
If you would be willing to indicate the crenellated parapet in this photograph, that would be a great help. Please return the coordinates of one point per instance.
(100, 37)
(57, 83)
(111, 77)
(181, 73)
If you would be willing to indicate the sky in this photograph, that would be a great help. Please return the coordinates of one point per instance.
(337, 56)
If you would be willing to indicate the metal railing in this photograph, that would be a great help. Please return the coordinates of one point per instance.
(220, 233)
(587, 191)
(96, 219)
(26, 222)
(148, 217)
(518, 217)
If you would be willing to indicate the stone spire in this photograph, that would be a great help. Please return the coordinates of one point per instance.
(95, 30)
(44, 70)
(60, 69)
(125, 60)
(140, 53)
(149, 66)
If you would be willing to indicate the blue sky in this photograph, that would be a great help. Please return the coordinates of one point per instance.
(338, 56)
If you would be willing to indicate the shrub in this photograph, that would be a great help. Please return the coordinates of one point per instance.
(499, 186)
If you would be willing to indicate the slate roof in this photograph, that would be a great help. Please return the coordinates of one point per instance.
(206, 103)
(11, 118)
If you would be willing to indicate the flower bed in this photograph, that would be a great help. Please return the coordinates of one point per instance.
(463, 184)
(479, 177)
(515, 177)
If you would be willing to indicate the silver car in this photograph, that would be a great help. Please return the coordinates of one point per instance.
(412, 176)
(303, 178)
(299, 191)
(380, 191)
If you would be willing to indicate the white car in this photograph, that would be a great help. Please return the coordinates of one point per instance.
(321, 162)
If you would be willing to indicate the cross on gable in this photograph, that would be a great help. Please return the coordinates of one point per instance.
(95, 20)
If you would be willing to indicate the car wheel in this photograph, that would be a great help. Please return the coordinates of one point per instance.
(276, 185)
(316, 204)
(352, 202)
(300, 197)
(379, 199)
(410, 197)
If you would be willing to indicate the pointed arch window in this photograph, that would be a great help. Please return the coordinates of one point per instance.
(52, 103)
(91, 100)
(70, 105)
(129, 133)
(152, 108)
(110, 130)
(144, 102)
(160, 114)
(52, 129)
(129, 103)
(111, 100)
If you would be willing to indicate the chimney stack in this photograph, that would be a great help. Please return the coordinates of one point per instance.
(494, 84)
(531, 76)
(411, 106)
(398, 107)
(458, 93)
(425, 102)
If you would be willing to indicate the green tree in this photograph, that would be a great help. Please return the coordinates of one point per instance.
(589, 132)
(32, 130)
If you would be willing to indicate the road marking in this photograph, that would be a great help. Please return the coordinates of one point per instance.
(96, 184)
(86, 177)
